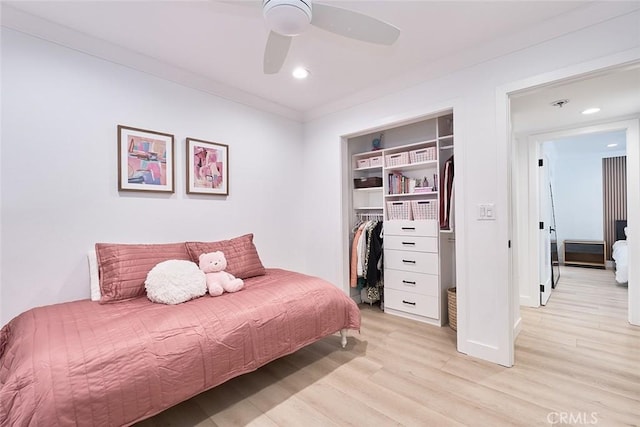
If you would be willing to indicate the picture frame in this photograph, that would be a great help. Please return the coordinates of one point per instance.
(207, 167)
(145, 160)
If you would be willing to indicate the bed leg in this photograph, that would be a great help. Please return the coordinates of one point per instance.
(343, 341)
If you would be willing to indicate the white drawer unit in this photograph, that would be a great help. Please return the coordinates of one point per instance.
(412, 282)
(399, 227)
(418, 262)
(419, 283)
(420, 305)
(412, 243)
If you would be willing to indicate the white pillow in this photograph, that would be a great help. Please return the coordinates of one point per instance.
(93, 275)
(175, 281)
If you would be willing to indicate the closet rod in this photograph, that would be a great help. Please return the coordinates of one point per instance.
(370, 215)
(446, 147)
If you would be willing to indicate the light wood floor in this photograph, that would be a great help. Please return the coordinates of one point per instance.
(577, 360)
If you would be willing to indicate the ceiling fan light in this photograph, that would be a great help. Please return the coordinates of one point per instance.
(287, 17)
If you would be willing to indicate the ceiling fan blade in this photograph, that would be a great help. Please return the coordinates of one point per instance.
(246, 3)
(275, 52)
(354, 25)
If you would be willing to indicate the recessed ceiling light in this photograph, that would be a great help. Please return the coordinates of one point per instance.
(612, 145)
(591, 110)
(300, 73)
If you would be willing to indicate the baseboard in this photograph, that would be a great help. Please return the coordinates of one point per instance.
(487, 352)
(517, 328)
(527, 301)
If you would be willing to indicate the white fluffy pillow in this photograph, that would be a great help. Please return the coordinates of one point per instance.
(175, 281)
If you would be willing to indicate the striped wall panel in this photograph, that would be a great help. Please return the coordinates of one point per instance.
(614, 190)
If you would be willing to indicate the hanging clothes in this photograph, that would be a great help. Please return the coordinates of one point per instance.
(446, 187)
(374, 255)
(353, 277)
(366, 254)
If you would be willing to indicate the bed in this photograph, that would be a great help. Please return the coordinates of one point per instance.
(110, 364)
(619, 252)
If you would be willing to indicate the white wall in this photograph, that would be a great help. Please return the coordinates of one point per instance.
(60, 109)
(576, 180)
(484, 326)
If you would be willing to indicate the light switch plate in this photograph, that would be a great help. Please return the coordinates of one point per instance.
(486, 212)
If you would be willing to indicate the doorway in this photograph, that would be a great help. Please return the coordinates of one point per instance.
(521, 213)
(566, 187)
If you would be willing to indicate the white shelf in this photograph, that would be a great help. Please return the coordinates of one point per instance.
(368, 189)
(430, 193)
(446, 137)
(368, 208)
(367, 168)
(412, 166)
(409, 147)
(367, 154)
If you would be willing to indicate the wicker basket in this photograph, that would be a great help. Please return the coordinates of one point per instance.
(398, 210)
(422, 155)
(363, 163)
(397, 159)
(424, 209)
(376, 161)
(453, 308)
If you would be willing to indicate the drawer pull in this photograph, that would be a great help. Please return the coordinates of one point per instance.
(409, 243)
(408, 228)
(408, 261)
(407, 282)
(408, 302)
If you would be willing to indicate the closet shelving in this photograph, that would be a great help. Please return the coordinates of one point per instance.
(419, 262)
(369, 198)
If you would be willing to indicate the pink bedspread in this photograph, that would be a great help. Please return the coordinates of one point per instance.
(82, 363)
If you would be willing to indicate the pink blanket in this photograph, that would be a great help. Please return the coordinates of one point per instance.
(82, 363)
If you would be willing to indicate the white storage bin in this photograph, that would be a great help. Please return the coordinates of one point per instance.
(424, 209)
(376, 161)
(397, 159)
(363, 163)
(422, 155)
(398, 210)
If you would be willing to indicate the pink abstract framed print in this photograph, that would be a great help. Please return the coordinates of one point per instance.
(145, 160)
(207, 167)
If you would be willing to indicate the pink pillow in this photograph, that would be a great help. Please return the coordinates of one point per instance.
(241, 254)
(123, 268)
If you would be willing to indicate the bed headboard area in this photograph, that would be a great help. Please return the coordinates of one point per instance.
(620, 226)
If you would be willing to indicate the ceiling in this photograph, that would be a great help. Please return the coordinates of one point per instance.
(604, 144)
(616, 92)
(217, 46)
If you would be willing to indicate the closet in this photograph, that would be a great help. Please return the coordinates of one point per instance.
(404, 176)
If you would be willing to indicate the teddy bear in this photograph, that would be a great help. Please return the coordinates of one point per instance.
(218, 280)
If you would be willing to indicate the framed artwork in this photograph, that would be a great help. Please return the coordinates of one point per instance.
(145, 160)
(207, 167)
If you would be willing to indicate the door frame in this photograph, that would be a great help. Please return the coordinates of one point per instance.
(543, 236)
(505, 141)
(532, 240)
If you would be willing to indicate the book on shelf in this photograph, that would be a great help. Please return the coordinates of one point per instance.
(400, 184)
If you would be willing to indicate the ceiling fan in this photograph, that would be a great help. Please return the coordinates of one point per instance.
(289, 18)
